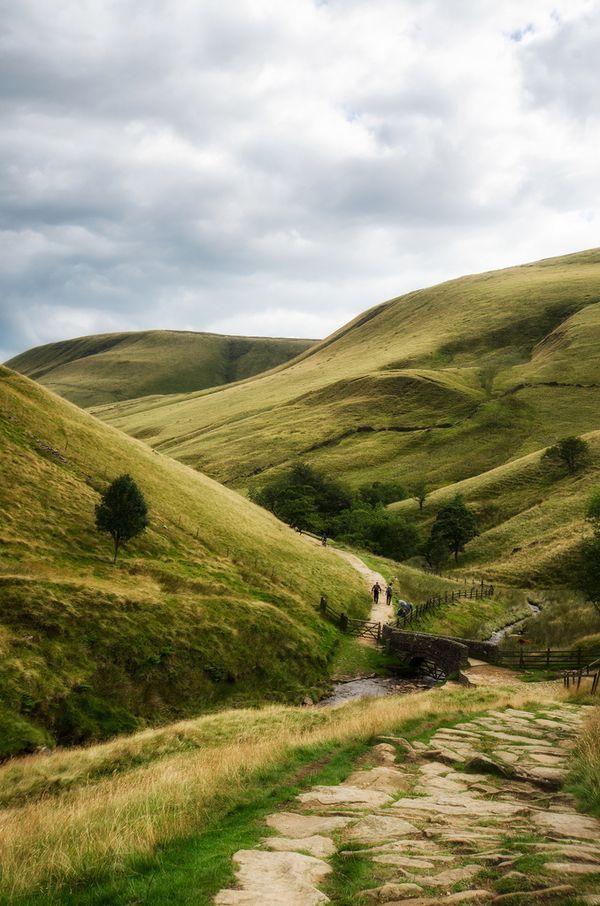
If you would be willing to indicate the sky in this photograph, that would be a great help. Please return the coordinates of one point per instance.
(274, 168)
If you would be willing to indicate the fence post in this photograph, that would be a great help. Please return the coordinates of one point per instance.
(579, 656)
(323, 604)
(344, 622)
(446, 598)
(521, 658)
(548, 658)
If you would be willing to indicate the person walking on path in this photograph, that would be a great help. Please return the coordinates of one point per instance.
(388, 593)
(376, 590)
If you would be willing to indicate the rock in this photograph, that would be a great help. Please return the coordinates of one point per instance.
(572, 868)
(568, 824)
(384, 753)
(391, 891)
(460, 805)
(452, 876)
(377, 828)
(466, 896)
(384, 779)
(344, 795)
(402, 861)
(543, 893)
(307, 701)
(279, 879)
(292, 825)
(320, 847)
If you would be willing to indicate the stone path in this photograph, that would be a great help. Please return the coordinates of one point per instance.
(477, 815)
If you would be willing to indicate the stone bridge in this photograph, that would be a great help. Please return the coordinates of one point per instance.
(416, 650)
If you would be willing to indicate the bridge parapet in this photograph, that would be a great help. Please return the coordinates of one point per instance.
(414, 647)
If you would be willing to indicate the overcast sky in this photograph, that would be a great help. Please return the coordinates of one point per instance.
(269, 167)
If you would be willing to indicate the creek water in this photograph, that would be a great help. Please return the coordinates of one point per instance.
(496, 637)
(372, 687)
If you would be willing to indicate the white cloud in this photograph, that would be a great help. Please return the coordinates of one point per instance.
(277, 168)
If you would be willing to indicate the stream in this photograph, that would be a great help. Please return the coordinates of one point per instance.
(496, 637)
(372, 687)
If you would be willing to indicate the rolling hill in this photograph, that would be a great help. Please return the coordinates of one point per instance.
(446, 383)
(215, 601)
(90, 371)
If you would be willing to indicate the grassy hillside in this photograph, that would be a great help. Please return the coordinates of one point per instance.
(449, 381)
(448, 384)
(100, 369)
(214, 601)
(531, 519)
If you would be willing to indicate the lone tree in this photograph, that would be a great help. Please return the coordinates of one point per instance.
(122, 511)
(455, 525)
(420, 492)
(570, 452)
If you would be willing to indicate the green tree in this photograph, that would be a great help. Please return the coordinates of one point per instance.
(122, 511)
(589, 566)
(454, 524)
(589, 571)
(435, 551)
(592, 511)
(570, 452)
(420, 492)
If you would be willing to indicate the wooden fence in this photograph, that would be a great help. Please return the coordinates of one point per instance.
(555, 659)
(431, 604)
(573, 678)
(367, 629)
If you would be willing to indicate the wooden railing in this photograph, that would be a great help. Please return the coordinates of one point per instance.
(360, 628)
(556, 659)
(573, 678)
(416, 614)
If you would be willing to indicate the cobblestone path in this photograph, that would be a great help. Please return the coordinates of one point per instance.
(477, 815)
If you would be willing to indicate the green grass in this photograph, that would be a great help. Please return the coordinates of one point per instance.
(214, 603)
(449, 383)
(472, 619)
(96, 370)
(190, 858)
(351, 658)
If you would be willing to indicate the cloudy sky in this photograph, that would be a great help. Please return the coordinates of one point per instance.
(269, 167)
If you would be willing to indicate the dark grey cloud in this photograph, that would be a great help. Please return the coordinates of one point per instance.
(276, 168)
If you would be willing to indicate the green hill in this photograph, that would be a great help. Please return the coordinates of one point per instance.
(215, 601)
(106, 368)
(447, 383)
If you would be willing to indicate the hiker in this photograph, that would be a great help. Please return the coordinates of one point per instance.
(376, 590)
(388, 594)
(324, 539)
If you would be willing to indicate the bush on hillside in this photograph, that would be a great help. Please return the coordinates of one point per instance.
(570, 453)
(588, 578)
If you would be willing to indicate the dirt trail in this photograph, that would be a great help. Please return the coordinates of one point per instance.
(380, 612)
(476, 815)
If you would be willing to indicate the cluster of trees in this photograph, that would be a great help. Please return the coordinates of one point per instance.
(310, 501)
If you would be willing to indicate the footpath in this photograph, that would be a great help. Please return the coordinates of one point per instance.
(476, 815)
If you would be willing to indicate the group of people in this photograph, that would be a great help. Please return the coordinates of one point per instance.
(403, 608)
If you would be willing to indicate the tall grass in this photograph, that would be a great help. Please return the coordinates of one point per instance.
(98, 826)
(585, 771)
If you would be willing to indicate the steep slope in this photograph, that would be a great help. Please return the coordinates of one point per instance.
(445, 383)
(215, 600)
(100, 369)
(531, 520)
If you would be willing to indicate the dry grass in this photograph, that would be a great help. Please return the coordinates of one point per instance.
(99, 826)
(586, 764)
